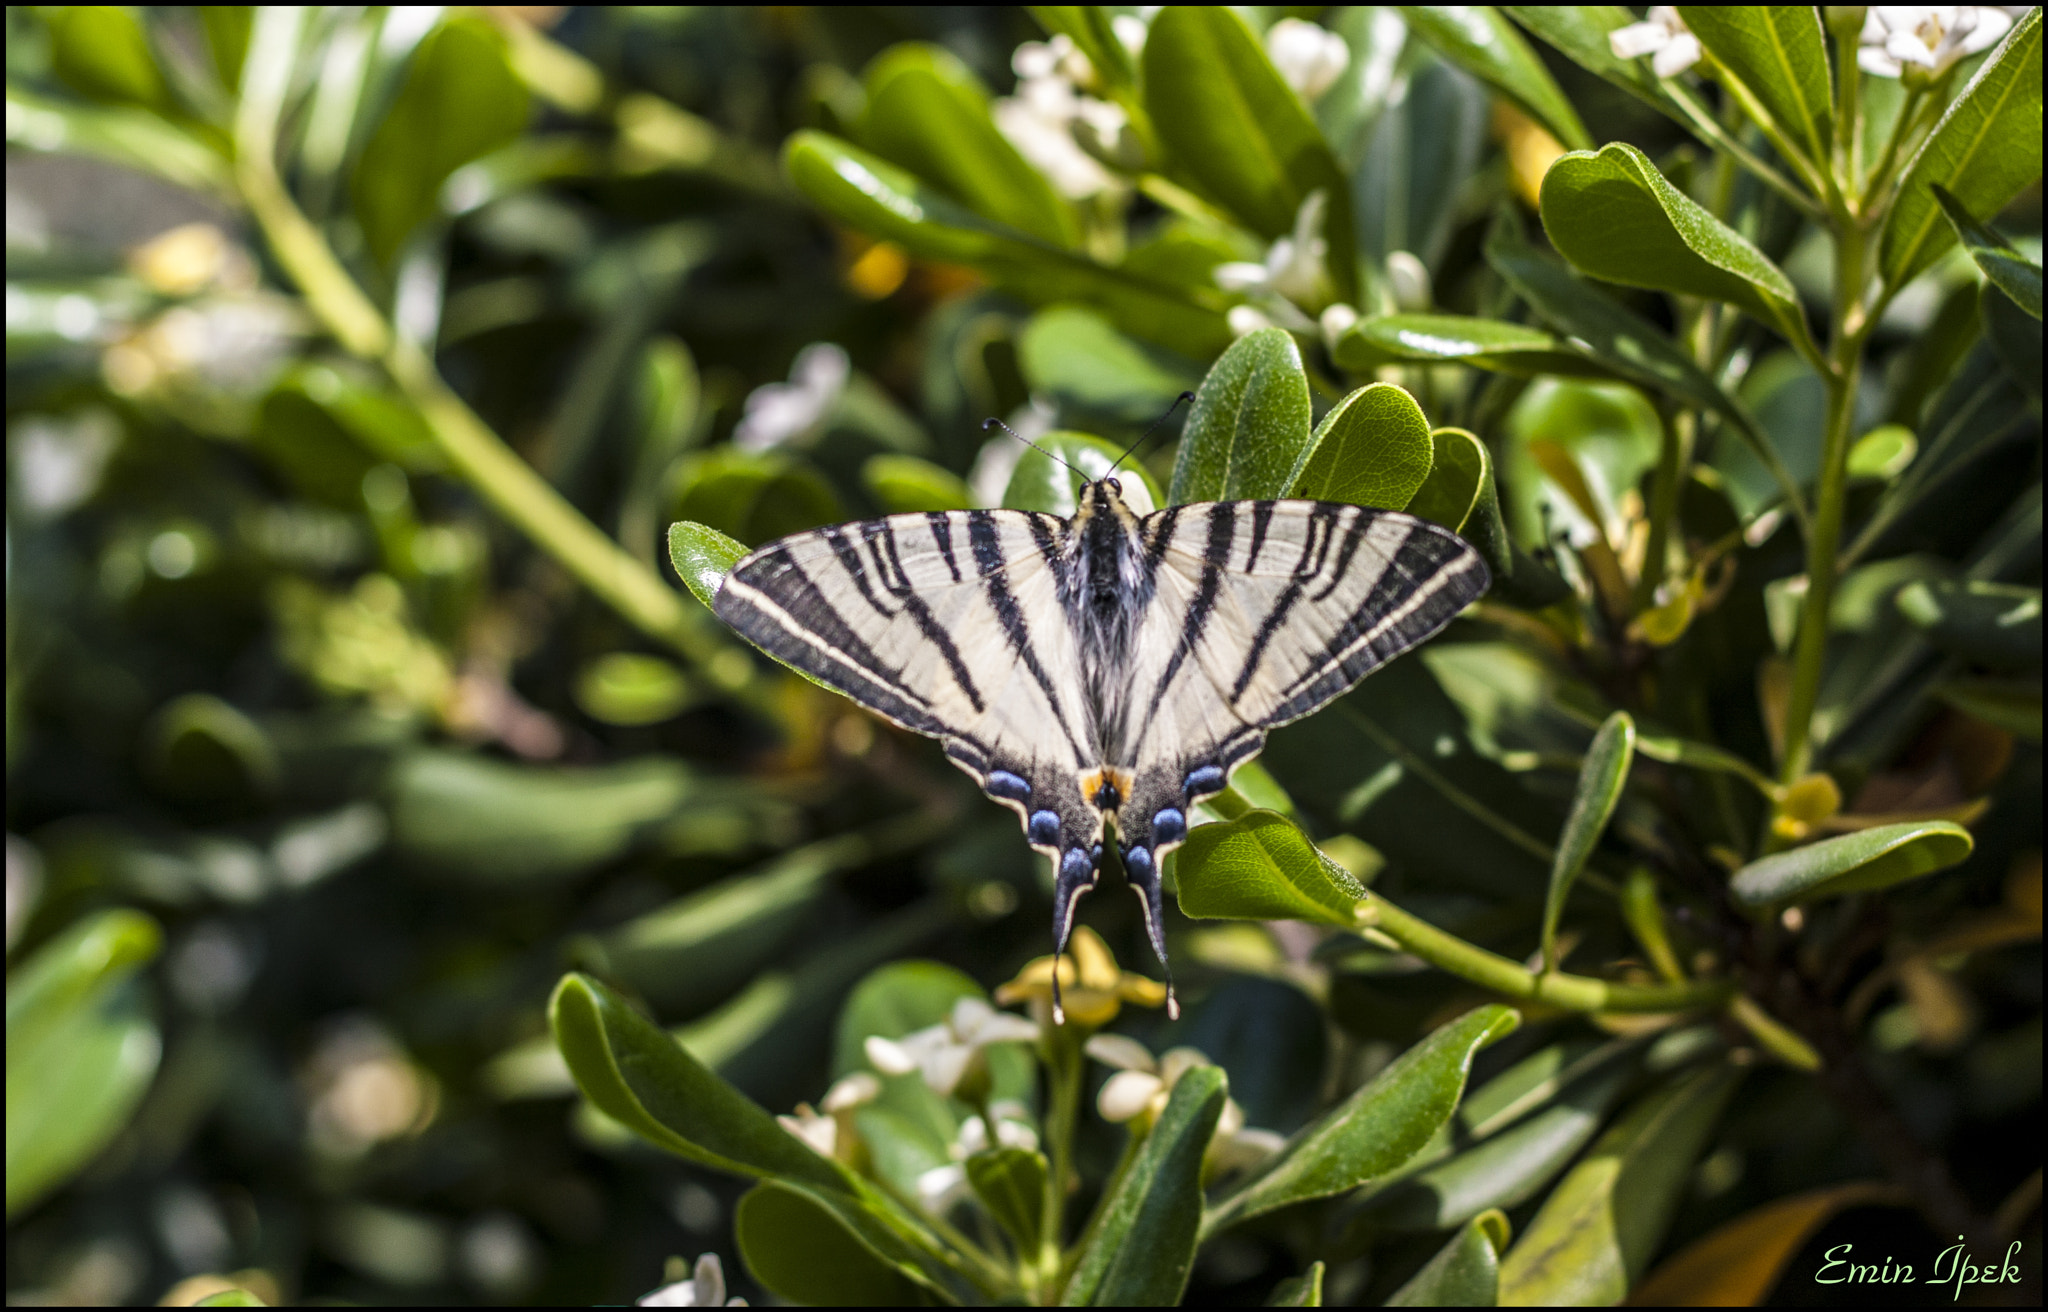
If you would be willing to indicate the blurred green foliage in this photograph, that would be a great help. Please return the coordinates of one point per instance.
(413, 894)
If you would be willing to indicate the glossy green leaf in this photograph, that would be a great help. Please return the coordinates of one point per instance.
(1010, 1182)
(1509, 348)
(1506, 1168)
(1852, 863)
(1142, 1243)
(1985, 151)
(1249, 424)
(1601, 776)
(2007, 269)
(1775, 60)
(1073, 356)
(1460, 477)
(801, 1250)
(1372, 449)
(928, 113)
(1237, 132)
(876, 197)
(702, 557)
(1595, 1234)
(81, 1049)
(1624, 342)
(1041, 482)
(103, 51)
(460, 100)
(1464, 1272)
(1883, 452)
(1420, 162)
(1614, 216)
(1261, 867)
(231, 1298)
(1304, 1290)
(1481, 41)
(643, 1079)
(491, 820)
(1377, 1128)
(906, 483)
(1995, 624)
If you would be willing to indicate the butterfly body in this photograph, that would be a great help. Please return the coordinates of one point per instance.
(1111, 668)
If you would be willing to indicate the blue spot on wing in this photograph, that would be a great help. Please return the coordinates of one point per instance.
(1044, 829)
(1003, 784)
(1169, 826)
(1205, 780)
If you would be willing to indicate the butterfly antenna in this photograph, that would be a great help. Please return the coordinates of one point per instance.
(987, 424)
(1178, 402)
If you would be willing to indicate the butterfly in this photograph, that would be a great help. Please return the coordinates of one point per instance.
(1108, 668)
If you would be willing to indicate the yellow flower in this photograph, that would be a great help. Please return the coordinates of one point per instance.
(1089, 989)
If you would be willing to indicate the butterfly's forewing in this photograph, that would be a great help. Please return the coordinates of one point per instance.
(950, 624)
(1263, 611)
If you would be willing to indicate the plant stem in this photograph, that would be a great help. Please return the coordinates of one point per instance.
(1063, 1078)
(510, 485)
(1702, 122)
(1511, 978)
(1674, 457)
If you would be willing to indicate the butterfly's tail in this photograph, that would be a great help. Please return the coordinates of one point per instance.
(1143, 874)
(1076, 875)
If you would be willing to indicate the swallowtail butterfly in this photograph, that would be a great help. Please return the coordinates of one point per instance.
(1114, 666)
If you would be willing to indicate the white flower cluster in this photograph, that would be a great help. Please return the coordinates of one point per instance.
(1143, 1083)
(1065, 133)
(1896, 41)
(780, 413)
(944, 1053)
(704, 1288)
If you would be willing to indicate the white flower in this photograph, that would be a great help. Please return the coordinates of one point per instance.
(1310, 58)
(1141, 1087)
(779, 413)
(1662, 33)
(704, 1288)
(829, 1127)
(1048, 119)
(1294, 274)
(944, 1053)
(1929, 37)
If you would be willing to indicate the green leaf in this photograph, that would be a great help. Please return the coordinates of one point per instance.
(1076, 358)
(1304, 1290)
(1509, 348)
(1377, 1128)
(1506, 1168)
(1594, 1236)
(1995, 624)
(1260, 867)
(800, 1249)
(1420, 161)
(231, 1298)
(1373, 449)
(906, 483)
(1775, 60)
(755, 496)
(1619, 340)
(928, 113)
(1985, 150)
(1142, 1244)
(81, 1049)
(2014, 706)
(1460, 477)
(874, 196)
(227, 38)
(702, 557)
(1088, 27)
(1010, 1182)
(1580, 32)
(1464, 1272)
(484, 819)
(1614, 216)
(1601, 776)
(643, 1079)
(2008, 270)
(1236, 131)
(460, 100)
(2015, 336)
(1883, 452)
(1481, 41)
(1042, 482)
(1852, 863)
(134, 138)
(631, 688)
(1249, 424)
(103, 51)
